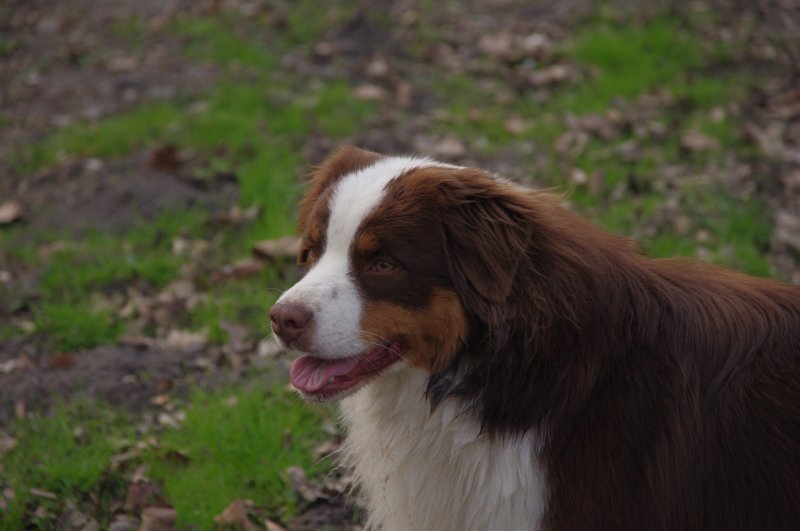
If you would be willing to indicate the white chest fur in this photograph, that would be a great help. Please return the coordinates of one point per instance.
(435, 471)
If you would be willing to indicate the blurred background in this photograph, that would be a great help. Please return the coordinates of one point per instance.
(152, 153)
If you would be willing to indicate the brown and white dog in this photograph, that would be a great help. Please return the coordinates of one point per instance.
(504, 364)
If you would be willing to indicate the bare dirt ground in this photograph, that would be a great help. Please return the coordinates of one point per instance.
(77, 60)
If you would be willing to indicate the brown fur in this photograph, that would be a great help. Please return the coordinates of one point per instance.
(666, 393)
(367, 244)
(429, 338)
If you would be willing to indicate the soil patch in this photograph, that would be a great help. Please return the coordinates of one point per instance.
(80, 60)
(112, 195)
(128, 376)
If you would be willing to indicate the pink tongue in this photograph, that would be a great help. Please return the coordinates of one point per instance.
(312, 374)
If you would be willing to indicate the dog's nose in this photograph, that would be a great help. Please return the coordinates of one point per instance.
(289, 320)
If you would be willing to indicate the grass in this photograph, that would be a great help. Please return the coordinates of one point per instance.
(628, 60)
(112, 137)
(235, 444)
(67, 454)
(75, 326)
(244, 302)
(68, 301)
(245, 440)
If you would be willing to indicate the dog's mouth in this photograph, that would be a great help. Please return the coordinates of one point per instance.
(328, 379)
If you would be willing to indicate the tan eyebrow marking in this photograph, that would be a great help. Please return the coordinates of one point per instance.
(367, 243)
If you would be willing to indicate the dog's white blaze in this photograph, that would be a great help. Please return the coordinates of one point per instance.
(328, 289)
(423, 470)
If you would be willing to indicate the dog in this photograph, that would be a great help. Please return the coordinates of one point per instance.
(501, 363)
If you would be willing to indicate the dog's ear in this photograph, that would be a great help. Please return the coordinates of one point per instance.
(344, 160)
(487, 225)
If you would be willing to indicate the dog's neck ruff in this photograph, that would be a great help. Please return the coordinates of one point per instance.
(434, 470)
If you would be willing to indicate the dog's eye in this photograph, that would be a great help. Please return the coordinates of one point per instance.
(382, 266)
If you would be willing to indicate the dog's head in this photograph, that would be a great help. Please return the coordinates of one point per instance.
(402, 257)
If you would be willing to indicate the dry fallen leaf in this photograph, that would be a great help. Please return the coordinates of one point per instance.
(165, 158)
(140, 495)
(281, 248)
(61, 361)
(173, 420)
(140, 474)
(697, 141)
(160, 400)
(604, 127)
(324, 50)
(118, 460)
(158, 519)
(236, 216)
(377, 67)
(235, 515)
(449, 147)
(10, 211)
(247, 267)
(123, 522)
(15, 364)
(185, 340)
(536, 45)
(307, 490)
(572, 143)
(369, 93)
(40, 493)
(326, 448)
(74, 520)
(270, 525)
(7, 443)
(550, 75)
(516, 125)
(20, 409)
(268, 348)
(499, 46)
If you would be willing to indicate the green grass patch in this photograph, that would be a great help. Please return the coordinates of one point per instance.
(67, 454)
(215, 40)
(245, 302)
(628, 60)
(239, 442)
(66, 299)
(71, 326)
(103, 262)
(111, 137)
(239, 445)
